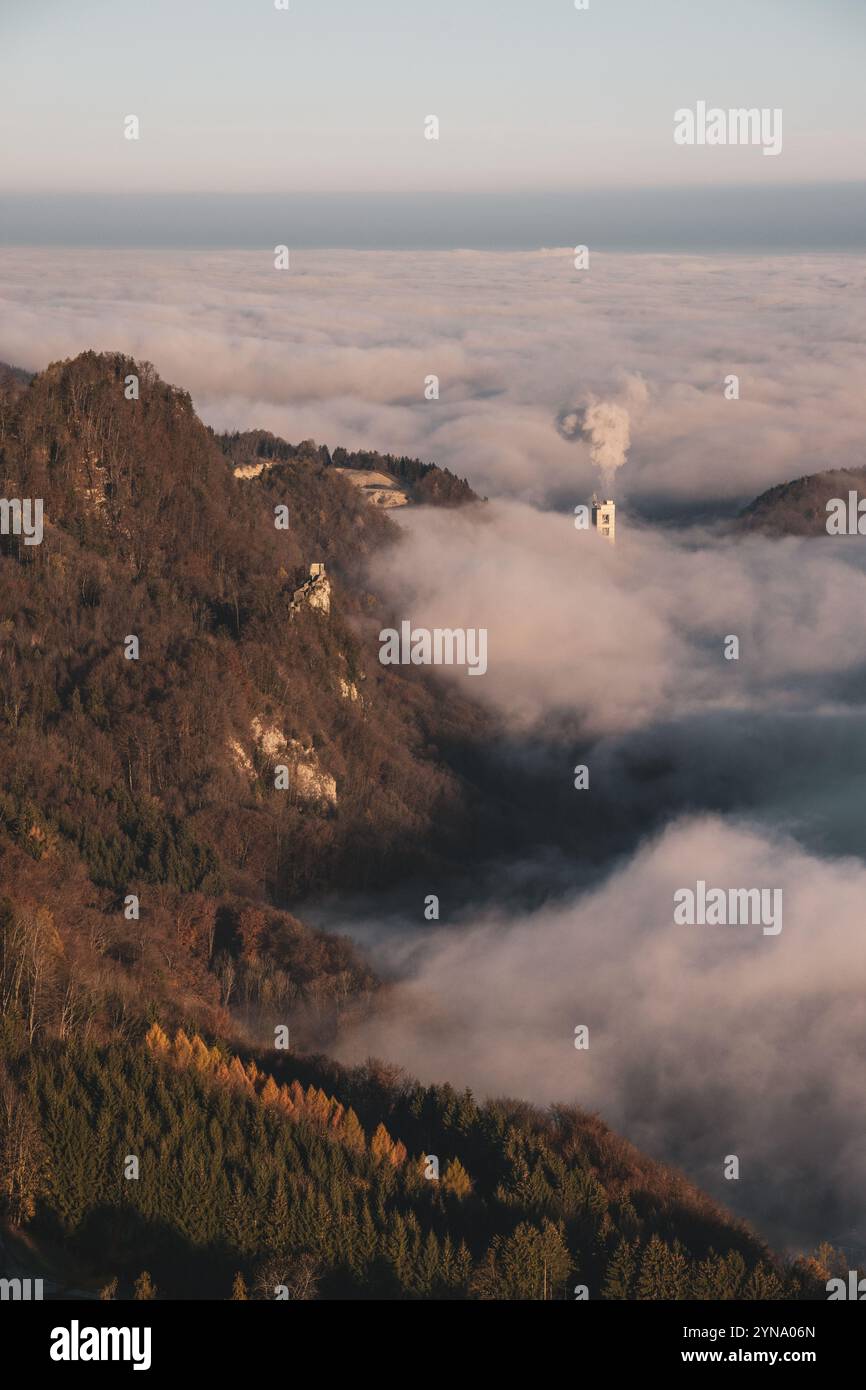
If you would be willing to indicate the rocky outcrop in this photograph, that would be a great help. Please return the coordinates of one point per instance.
(379, 489)
(316, 591)
(309, 779)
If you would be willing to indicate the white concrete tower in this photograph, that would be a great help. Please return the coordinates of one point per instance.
(604, 518)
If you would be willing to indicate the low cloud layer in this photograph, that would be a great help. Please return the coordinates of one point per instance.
(704, 1041)
(630, 635)
(338, 349)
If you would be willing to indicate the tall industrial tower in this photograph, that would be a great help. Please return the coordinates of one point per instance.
(604, 517)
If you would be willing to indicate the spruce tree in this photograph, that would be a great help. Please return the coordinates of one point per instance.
(455, 1179)
(619, 1277)
(763, 1283)
(145, 1288)
(651, 1280)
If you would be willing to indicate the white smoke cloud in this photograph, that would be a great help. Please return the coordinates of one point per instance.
(606, 427)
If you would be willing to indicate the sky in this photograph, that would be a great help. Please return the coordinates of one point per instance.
(238, 99)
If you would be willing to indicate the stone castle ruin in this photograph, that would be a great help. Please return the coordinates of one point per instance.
(316, 591)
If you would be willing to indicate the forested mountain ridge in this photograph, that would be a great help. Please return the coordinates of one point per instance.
(14, 377)
(423, 482)
(257, 1178)
(148, 863)
(148, 534)
(155, 777)
(799, 507)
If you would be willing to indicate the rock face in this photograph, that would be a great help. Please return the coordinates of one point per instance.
(311, 782)
(252, 470)
(241, 761)
(316, 591)
(270, 739)
(379, 489)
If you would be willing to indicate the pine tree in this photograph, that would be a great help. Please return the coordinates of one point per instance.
(556, 1260)
(664, 1271)
(144, 1287)
(238, 1075)
(241, 1219)
(278, 1220)
(156, 1039)
(651, 1280)
(298, 1098)
(270, 1092)
(182, 1048)
(367, 1244)
(462, 1271)
(676, 1272)
(239, 1289)
(485, 1282)
(381, 1145)
(619, 1277)
(763, 1283)
(734, 1275)
(352, 1133)
(455, 1179)
(531, 1264)
(427, 1268)
(397, 1247)
(711, 1279)
(447, 1261)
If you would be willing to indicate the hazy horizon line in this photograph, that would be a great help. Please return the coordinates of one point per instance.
(713, 218)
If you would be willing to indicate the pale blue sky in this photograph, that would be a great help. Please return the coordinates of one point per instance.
(548, 116)
(236, 96)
